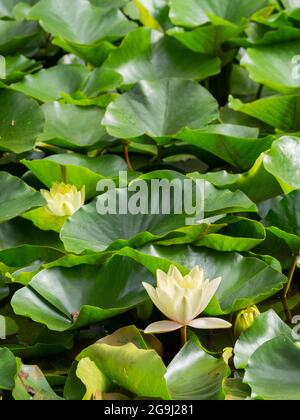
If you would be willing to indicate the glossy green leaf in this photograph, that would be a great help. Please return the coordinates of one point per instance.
(52, 297)
(149, 109)
(278, 111)
(277, 60)
(118, 229)
(273, 370)
(73, 127)
(266, 327)
(197, 12)
(206, 39)
(240, 234)
(144, 50)
(18, 66)
(83, 27)
(48, 85)
(236, 145)
(195, 375)
(246, 280)
(15, 36)
(16, 197)
(144, 368)
(76, 169)
(8, 369)
(21, 121)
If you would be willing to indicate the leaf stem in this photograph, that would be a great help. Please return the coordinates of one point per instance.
(286, 309)
(127, 158)
(183, 335)
(291, 276)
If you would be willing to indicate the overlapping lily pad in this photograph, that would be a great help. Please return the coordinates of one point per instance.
(246, 280)
(149, 109)
(21, 121)
(77, 170)
(16, 197)
(143, 50)
(52, 297)
(82, 27)
(64, 126)
(49, 85)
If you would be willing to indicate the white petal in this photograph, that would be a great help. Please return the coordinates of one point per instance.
(196, 302)
(183, 310)
(175, 273)
(152, 292)
(162, 279)
(167, 304)
(209, 293)
(197, 275)
(162, 327)
(209, 323)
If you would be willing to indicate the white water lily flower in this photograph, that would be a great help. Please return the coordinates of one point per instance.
(182, 299)
(64, 199)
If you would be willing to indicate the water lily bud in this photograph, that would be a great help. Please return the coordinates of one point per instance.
(64, 199)
(245, 319)
(182, 299)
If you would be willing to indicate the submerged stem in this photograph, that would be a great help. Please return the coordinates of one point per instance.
(127, 158)
(291, 276)
(183, 335)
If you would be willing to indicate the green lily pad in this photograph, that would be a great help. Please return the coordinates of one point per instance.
(278, 111)
(246, 280)
(76, 169)
(21, 121)
(31, 384)
(52, 297)
(149, 109)
(8, 369)
(115, 230)
(144, 368)
(144, 50)
(21, 244)
(47, 85)
(195, 375)
(237, 145)
(7, 6)
(85, 40)
(16, 198)
(18, 66)
(197, 13)
(240, 234)
(206, 39)
(73, 127)
(15, 36)
(273, 370)
(262, 61)
(266, 327)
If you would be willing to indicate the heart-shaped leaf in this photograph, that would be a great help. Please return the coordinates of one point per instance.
(273, 372)
(48, 85)
(195, 375)
(144, 50)
(246, 280)
(266, 327)
(16, 198)
(21, 121)
(149, 109)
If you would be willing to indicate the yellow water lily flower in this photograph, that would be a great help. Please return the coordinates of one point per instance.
(182, 299)
(64, 199)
